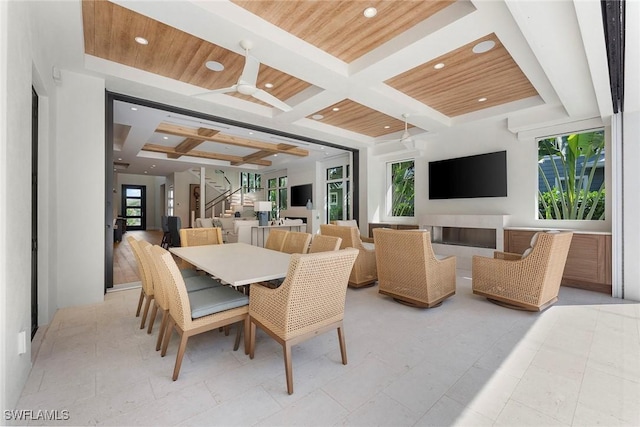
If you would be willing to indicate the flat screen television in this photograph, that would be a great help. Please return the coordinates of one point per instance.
(482, 175)
(300, 194)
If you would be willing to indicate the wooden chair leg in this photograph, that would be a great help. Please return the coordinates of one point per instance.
(288, 368)
(236, 345)
(252, 339)
(163, 328)
(140, 302)
(181, 349)
(167, 336)
(146, 311)
(343, 347)
(152, 318)
(247, 332)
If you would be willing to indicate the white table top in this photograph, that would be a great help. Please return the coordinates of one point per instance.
(237, 263)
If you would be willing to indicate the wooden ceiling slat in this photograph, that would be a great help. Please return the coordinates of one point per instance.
(339, 27)
(455, 89)
(88, 26)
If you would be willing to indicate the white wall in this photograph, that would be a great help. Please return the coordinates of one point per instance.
(80, 189)
(465, 140)
(631, 154)
(15, 203)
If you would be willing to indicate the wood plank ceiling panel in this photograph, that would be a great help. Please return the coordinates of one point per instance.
(339, 27)
(359, 118)
(465, 78)
(110, 32)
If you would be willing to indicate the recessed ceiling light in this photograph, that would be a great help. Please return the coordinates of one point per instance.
(317, 117)
(214, 65)
(146, 172)
(134, 109)
(439, 66)
(335, 109)
(370, 12)
(387, 127)
(153, 166)
(482, 99)
(165, 137)
(268, 85)
(322, 148)
(484, 46)
(275, 155)
(119, 158)
(250, 133)
(141, 40)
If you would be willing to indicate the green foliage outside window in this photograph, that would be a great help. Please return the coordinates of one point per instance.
(573, 159)
(403, 188)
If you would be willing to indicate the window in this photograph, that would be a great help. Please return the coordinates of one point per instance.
(401, 177)
(571, 173)
(277, 193)
(338, 186)
(170, 201)
(250, 182)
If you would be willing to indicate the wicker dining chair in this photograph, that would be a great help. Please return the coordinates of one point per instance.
(296, 242)
(353, 223)
(364, 270)
(200, 236)
(527, 282)
(146, 290)
(321, 243)
(409, 271)
(205, 310)
(193, 283)
(310, 301)
(275, 240)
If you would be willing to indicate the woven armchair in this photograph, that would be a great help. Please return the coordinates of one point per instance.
(321, 243)
(275, 239)
(528, 282)
(296, 242)
(310, 301)
(364, 270)
(409, 271)
(353, 223)
(216, 307)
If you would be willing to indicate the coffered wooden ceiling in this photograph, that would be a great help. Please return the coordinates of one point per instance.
(348, 78)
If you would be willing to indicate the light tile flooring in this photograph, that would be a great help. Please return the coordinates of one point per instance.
(468, 362)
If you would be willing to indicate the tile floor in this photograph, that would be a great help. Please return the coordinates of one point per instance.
(468, 362)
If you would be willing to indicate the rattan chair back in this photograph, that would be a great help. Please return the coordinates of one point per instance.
(310, 301)
(322, 243)
(296, 242)
(276, 239)
(143, 269)
(200, 236)
(408, 269)
(364, 270)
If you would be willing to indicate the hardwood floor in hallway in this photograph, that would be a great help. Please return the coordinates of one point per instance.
(125, 268)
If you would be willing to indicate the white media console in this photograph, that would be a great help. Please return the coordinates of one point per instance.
(465, 235)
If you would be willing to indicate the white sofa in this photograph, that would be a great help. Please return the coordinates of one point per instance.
(241, 231)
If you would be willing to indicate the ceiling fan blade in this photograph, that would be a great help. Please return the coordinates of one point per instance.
(250, 71)
(225, 90)
(270, 99)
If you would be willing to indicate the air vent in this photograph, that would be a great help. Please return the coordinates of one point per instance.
(120, 166)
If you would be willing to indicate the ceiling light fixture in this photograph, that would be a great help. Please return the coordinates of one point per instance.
(165, 137)
(335, 109)
(370, 12)
(439, 66)
(214, 66)
(268, 85)
(482, 99)
(141, 40)
(317, 117)
(134, 109)
(484, 46)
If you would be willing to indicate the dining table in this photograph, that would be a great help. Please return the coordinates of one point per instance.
(237, 264)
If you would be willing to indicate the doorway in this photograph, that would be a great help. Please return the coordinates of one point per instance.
(134, 206)
(34, 212)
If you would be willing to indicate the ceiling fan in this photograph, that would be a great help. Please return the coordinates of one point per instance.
(246, 84)
(406, 139)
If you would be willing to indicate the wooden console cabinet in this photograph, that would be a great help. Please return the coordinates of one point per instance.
(588, 262)
(373, 225)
